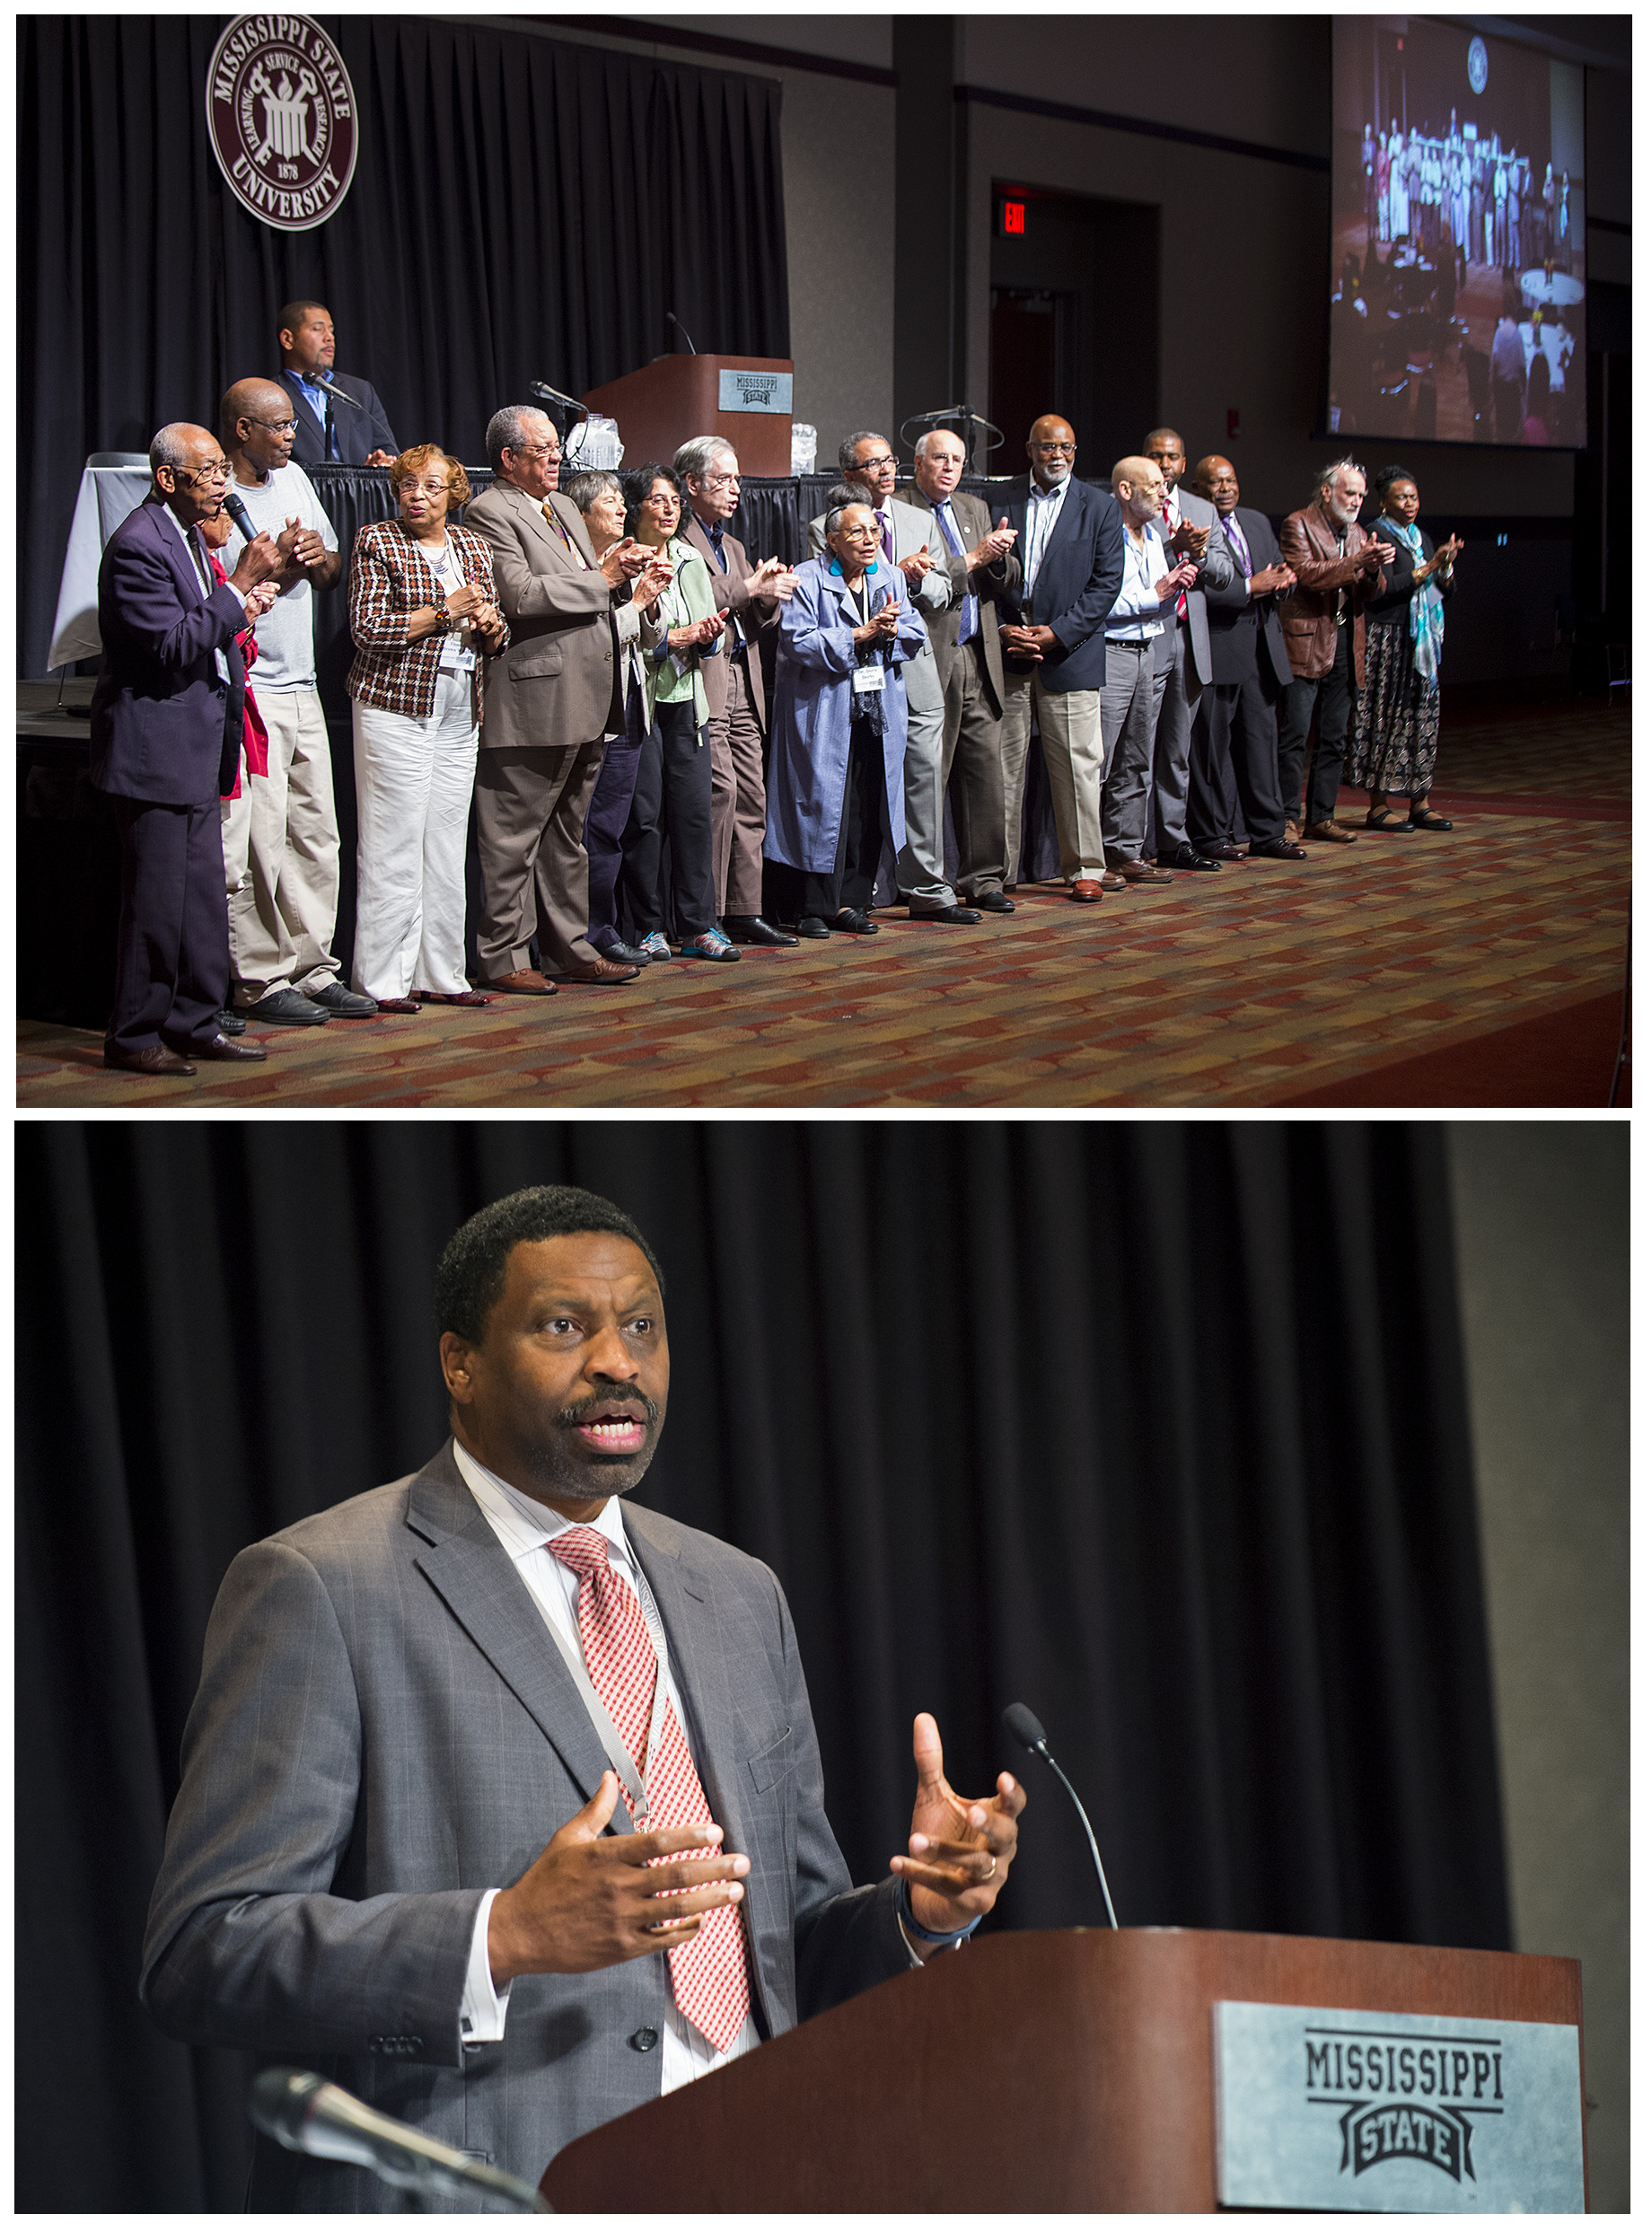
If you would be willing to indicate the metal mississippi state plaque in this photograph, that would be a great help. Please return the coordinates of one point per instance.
(1329, 2108)
(281, 116)
(755, 391)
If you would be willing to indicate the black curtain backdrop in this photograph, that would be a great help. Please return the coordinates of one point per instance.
(522, 209)
(1160, 1427)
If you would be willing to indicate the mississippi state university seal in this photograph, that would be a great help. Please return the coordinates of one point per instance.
(281, 114)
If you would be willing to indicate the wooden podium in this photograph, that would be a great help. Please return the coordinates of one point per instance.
(1037, 2070)
(670, 400)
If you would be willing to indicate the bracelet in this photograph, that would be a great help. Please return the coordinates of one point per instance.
(932, 1937)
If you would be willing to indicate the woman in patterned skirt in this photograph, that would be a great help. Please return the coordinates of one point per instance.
(1398, 726)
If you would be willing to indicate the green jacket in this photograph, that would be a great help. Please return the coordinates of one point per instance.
(690, 598)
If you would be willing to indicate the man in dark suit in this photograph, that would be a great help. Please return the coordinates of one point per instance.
(1190, 533)
(985, 577)
(552, 700)
(1337, 569)
(1070, 539)
(733, 671)
(353, 431)
(1236, 764)
(404, 1851)
(166, 728)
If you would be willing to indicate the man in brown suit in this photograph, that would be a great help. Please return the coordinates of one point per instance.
(1338, 570)
(984, 573)
(551, 699)
(752, 596)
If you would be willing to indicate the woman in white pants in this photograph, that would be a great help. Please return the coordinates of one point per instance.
(423, 617)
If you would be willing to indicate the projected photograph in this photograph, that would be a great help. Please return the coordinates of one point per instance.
(1457, 238)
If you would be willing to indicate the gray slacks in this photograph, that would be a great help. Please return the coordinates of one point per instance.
(972, 775)
(1172, 742)
(920, 867)
(739, 804)
(1131, 695)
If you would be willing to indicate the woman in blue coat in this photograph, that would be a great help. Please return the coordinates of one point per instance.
(837, 737)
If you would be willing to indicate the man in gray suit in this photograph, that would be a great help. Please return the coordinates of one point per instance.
(910, 541)
(1188, 520)
(403, 1699)
(984, 579)
(551, 701)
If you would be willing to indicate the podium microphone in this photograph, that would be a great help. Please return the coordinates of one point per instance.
(312, 2117)
(323, 378)
(555, 395)
(1023, 1726)
(673, 318)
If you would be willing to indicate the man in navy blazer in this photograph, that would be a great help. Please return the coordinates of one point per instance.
(166, 724)
(1236, 725)
(1071, 540)
(329, 431)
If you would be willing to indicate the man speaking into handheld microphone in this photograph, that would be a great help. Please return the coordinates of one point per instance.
(501, 1805)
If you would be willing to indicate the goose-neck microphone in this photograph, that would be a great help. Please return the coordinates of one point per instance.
(1023, 1726)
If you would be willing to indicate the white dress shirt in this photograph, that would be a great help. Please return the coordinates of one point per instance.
(1043, 510)
(1135, 615)
(523, 1528)
(203, 581)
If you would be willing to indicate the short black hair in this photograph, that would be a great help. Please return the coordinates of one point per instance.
(470, 1275)
(1389, 474)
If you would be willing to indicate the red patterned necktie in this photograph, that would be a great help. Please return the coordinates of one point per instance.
(708, 1973)
(1170, 529)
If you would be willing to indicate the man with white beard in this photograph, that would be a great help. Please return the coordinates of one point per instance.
(1339, 568)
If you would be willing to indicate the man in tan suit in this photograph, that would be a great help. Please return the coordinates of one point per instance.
(732, 669)
(984, 573)
(551, 701)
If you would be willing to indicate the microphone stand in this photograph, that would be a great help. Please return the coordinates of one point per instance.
(959, 419)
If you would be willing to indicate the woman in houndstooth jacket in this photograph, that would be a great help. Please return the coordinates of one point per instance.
(423, 617)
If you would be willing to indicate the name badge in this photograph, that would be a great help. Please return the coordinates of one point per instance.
(868, 680)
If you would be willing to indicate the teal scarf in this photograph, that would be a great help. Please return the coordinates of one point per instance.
(1428, 605)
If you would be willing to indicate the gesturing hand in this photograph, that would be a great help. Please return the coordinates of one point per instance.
(590, 1902)
(959, 1849)
(916, 566)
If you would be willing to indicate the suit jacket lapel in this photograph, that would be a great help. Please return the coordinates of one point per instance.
(534, 514)
(471, 1572)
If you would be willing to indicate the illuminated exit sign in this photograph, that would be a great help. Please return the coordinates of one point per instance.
(1012, 218)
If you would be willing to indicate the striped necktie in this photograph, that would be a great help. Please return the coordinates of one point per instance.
(707, 1974)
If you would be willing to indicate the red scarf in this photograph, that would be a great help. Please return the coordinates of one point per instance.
(255, 736)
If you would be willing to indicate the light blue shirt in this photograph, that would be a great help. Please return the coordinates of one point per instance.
(316, 398)
(1043, 510)
(1135, 616)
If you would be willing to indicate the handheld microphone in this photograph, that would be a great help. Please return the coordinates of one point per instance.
(312, 2117)
(1023, 1726)
(671, 319)
(242, 516)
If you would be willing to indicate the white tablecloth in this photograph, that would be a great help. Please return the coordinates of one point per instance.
(108, 494)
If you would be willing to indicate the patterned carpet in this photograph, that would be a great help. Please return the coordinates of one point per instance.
(1268, 985)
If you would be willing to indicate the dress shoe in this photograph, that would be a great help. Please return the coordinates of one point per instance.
(813, 926)
(223, 1049)
(1328, 833)
(1293, 829)
(752, 930)
(397, 1008)
(1427, 820)
(993, 903)
(467, 999)
(1087, 891)
(149, 1061)
(521, 980)
(853, 922)
(1278, 848)
(230, 1024)
(1185, 856)
(615, 948)
(338, 1000)
(599, 972)
(286, 1006)
(713, 944)
(1141, 871)
(1224, 851)
(944, 914)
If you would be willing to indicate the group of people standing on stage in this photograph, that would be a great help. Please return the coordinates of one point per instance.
(1462, 191)
(581, 665)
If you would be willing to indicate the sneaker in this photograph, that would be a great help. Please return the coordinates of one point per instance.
(655, 946)
(711, 945)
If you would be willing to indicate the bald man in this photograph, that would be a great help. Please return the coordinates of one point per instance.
(281, 835)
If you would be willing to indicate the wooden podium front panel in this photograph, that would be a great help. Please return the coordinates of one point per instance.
(675, 397)
(1037, 2070)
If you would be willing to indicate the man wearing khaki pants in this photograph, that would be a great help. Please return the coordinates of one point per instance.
(1071, 541)
(552, 700)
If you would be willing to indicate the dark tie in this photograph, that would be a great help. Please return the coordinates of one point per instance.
(889, 538)
(1241, 549)
(552, 520)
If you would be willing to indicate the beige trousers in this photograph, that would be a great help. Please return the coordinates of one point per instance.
(281, 855)
(1069, 721)
(739, 803)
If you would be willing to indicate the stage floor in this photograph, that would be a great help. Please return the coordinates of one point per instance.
(1484, 969)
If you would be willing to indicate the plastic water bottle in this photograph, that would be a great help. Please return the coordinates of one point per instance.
(803, 447)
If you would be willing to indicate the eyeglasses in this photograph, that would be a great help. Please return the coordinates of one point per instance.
(721, 480)
(275, 426)
(539, 449)
(220, 471)
(1057, 449)
(666, 497)
(873, 464)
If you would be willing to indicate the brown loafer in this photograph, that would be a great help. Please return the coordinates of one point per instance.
(149, 1061)
(521, 980)
(399, 1007)
(1087, 891)
(1328, 833)
(223, 1049)
(1143, 871)
(451, 999)
(599, 972)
